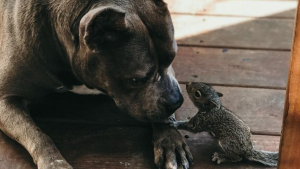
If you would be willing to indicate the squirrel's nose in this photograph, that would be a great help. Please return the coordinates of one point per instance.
(189, 86)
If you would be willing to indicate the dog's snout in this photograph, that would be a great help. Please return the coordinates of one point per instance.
(174, 104)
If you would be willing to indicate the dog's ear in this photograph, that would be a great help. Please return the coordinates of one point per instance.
(220, 94)
(159, 2)
(102, 25)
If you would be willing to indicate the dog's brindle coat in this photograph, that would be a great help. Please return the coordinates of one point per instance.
(123, 48)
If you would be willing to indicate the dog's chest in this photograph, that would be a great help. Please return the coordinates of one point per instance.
(82, 89)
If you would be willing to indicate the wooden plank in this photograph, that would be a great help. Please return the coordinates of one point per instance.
(289, 146)
(128, 147)
(246, 8)
(233, 32)
(96, 147)
(261, 109)
(13, 156)
(73, 108)
(232, 67)
(254, 106)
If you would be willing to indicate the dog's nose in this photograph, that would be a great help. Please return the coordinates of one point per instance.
(174, 104)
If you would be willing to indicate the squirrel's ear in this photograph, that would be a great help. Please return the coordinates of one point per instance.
(220, 94)
(102, 25)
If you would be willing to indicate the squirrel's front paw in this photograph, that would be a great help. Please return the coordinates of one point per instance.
(172, 122)
(176, 123)
(172, 119)
(219, 158)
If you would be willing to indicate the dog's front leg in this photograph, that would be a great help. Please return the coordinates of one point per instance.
(168, 145)
(17, 124)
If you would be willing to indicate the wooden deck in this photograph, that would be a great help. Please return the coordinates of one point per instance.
(242, 47)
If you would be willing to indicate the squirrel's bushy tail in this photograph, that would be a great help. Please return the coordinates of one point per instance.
(264, 157)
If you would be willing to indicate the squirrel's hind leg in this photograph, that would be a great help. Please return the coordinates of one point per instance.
(230, 151)
(220, 157)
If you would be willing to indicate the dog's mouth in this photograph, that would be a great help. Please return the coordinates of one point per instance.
(159, 118)
(141, 118)
(155, 118)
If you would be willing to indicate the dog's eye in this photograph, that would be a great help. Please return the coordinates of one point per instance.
(136, 82)
(139, 80)
(198, 94)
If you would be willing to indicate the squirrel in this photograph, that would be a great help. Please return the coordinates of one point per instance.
(233, 134)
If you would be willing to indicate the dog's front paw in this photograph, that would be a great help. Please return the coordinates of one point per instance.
(174, 124)
(170, 149)
(56, 164)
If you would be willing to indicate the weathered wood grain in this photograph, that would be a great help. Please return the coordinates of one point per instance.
(13, 156)
(232, 67)
(81, 109)
(124, 147)
(237, 32)
(261, 109)
(246, 8)
(255, 106)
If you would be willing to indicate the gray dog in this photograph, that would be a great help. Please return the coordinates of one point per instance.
(123, 48)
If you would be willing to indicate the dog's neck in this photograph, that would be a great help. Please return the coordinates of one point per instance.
(65, 25)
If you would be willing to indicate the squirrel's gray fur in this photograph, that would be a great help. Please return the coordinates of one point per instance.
(233, 134)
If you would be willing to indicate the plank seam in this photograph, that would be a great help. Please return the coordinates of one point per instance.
(240, 86)
(238, 16)
(265, 133)
(232, 47)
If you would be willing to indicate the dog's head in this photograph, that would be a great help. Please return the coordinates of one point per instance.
(127, 49)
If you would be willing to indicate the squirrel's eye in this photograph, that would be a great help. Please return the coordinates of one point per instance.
(198, 94)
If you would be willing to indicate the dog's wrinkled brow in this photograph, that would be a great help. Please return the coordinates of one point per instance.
(144, 74)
